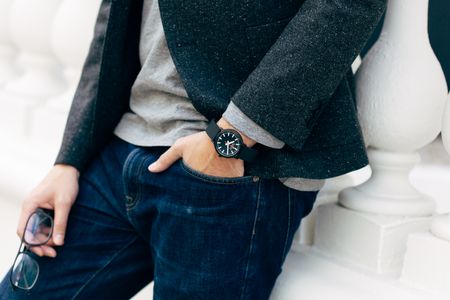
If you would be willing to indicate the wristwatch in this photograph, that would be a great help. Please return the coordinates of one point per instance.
(229, 143)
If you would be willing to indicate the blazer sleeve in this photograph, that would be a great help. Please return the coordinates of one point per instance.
(304, 66)
(102, 94)
(77, 139)
(244, 124)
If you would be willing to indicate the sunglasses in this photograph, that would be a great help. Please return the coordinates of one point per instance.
(38, 231)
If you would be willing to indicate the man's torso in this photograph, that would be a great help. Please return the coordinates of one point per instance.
(161, 111)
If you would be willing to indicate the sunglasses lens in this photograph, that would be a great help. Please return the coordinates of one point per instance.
(25, 272)
(39, 229)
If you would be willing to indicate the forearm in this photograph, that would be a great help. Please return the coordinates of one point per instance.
(302, 69)
(241, 122)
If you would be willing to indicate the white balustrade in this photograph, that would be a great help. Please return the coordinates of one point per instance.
(72, 33)
(440, 226)
(50, 41)
(446, 126)
(401, 93)
(30, 27)
(327, 194)
(427, 259)
(8, 70)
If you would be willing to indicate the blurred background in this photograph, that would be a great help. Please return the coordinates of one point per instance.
(43, 45)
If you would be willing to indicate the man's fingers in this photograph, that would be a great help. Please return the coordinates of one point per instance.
(25, 213)
(48, 251)
(51, 243)
(43, 250)
(166, 159)
(37, 250)
(62, 209)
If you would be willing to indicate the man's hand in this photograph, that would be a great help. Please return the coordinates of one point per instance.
(58, 192)
(197, 151)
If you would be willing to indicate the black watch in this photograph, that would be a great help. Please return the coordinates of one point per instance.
(229, 143)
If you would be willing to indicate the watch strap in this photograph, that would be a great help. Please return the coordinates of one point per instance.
(247, 154)
(213, 129)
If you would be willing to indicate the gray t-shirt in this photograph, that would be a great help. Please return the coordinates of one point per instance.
(161, 111)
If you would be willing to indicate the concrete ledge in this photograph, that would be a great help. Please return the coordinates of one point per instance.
(308, 274)
(427, 263)
(372, 242)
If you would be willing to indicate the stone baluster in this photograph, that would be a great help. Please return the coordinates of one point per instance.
(401, 93)
(328, 194)
(441, 224)
(72, 32)
(440, 227)
(446, 126)
(30, 27)
(427, 259)
(8, 69)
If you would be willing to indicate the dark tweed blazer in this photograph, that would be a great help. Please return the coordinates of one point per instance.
(284, 63)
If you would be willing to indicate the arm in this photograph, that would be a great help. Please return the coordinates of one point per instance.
(304, 66)
(91, 120)
(242, 123)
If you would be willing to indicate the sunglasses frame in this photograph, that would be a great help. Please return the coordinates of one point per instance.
(24, 247)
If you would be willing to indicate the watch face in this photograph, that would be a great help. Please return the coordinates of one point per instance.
(228, 143)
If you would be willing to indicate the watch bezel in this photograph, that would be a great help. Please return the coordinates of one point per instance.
(237, 134)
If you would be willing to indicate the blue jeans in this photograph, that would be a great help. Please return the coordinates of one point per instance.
(197, 236)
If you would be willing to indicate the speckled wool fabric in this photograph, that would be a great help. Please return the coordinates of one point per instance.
(285, 64)
(161, 111)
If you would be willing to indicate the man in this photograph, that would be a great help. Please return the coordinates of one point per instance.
(148, 186)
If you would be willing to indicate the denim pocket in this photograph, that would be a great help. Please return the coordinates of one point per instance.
(212, 178)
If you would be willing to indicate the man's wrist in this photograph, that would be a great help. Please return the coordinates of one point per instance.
(67, 167)
(222, 123)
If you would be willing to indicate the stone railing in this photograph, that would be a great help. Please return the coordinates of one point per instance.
(43, 45)
(385, 225)
(375, 220)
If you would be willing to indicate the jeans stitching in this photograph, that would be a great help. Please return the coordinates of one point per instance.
(243, 289)
(127, 164)
(288, 225)
(102, 268)
(139, 187)
(126, 172)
